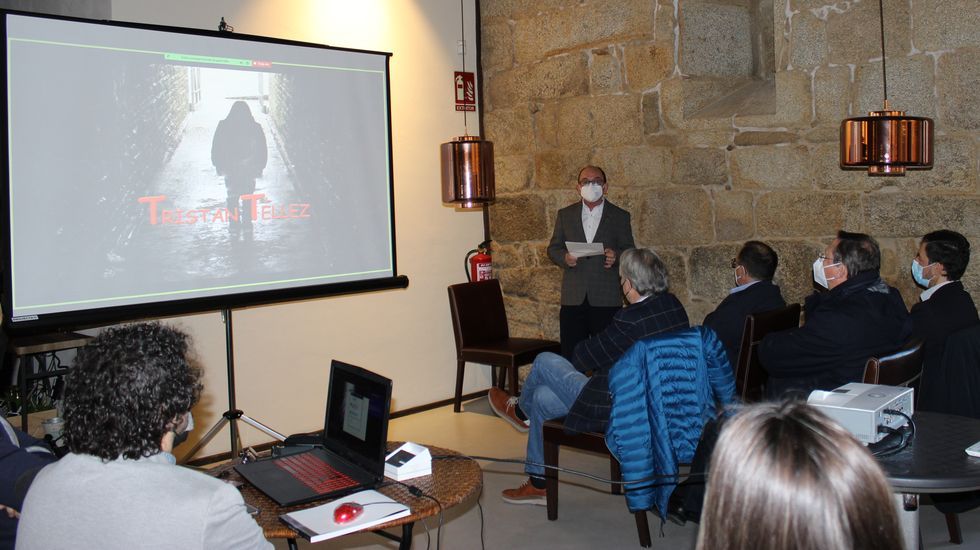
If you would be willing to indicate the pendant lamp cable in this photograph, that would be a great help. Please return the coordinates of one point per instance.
(884, 73)
(462, 32)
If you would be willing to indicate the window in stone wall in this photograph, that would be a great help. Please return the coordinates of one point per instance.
(727, 56)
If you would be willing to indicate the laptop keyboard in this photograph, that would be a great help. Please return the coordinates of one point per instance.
(314, 473)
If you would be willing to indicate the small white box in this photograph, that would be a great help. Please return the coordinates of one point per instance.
(408, 461)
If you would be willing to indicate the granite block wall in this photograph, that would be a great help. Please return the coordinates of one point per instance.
(572, 82)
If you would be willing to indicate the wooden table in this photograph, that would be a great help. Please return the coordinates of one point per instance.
(452, 481)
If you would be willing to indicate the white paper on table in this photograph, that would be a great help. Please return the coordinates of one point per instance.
(317, 523)
(581, 250)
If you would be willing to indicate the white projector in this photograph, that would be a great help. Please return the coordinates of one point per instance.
(859, 408)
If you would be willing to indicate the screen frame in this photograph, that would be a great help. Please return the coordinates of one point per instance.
(100, 316)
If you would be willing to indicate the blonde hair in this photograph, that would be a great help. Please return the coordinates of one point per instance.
(785, 476)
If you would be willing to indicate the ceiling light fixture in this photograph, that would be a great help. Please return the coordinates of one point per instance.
(886, 142)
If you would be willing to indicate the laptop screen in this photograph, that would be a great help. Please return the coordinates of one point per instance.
(356, 425)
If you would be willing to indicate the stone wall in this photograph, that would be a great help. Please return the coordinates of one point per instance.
(572, 82)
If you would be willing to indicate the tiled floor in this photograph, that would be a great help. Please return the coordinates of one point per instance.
(589, 517)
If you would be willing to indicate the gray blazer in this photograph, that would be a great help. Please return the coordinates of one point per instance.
(589, 278)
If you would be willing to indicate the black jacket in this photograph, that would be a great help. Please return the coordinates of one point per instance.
(948, 385)
(728, 319)
(860, 319)
(656, 314)
(948, 310)
(955, 387)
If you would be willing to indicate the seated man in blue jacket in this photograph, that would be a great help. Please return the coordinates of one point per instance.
(860, 317)
(557, 388)
(754, 266)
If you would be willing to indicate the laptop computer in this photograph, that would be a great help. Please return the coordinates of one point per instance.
(355, 433)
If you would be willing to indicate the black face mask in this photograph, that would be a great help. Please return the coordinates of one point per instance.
(182, 436)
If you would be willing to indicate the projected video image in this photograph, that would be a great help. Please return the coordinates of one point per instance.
(152, 175)
(224, 188)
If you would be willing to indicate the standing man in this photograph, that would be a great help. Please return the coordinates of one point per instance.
(590, 293)
(754, 267)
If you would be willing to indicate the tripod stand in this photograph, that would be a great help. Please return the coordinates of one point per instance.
(232, 415)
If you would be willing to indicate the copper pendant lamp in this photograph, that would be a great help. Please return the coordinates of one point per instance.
(467, 171)
(467, 161)
(886, 142)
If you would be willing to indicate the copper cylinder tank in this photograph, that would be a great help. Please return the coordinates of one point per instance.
(467, 171)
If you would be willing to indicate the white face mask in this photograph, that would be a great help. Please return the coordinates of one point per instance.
(736, 275)
(819, 273)
(591, 192)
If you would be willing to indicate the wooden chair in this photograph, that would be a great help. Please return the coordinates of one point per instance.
(901, 368)
(750, 378)
(482, 336)
(554, 437)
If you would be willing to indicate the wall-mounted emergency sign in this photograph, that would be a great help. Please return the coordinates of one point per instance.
(465, 91)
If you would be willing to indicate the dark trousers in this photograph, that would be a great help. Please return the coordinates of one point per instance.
(690, 493)
(578, 323)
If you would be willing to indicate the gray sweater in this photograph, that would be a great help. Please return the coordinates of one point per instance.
(82, 502)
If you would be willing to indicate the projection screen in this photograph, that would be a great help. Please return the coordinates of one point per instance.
(154, 171)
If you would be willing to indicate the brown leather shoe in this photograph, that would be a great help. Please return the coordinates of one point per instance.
(503, 405)
(525, 494)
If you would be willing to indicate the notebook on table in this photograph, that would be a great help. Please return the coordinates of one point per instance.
(355, 434)
(317, 524)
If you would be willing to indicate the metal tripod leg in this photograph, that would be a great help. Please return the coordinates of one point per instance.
(260, 426)
(232, 416)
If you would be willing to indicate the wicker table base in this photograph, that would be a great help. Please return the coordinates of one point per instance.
(452, 482)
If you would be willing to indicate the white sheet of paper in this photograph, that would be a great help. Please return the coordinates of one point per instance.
(581, 250)
(317, 523)
(355, 413)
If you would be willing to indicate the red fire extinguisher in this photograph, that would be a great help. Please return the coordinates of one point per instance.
(478, 264)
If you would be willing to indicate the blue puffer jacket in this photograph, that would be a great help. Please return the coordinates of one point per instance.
(663, 391)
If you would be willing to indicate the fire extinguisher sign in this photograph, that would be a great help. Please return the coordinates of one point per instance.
(465, 91)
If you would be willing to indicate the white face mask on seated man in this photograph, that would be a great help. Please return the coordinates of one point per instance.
(820, 273)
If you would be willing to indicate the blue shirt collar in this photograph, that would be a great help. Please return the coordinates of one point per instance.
(740, 288)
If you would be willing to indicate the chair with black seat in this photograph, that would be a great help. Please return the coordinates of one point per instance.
(750, 377)
(482, 336)
(902, 368)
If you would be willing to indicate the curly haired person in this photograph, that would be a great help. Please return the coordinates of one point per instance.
(128, 395)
